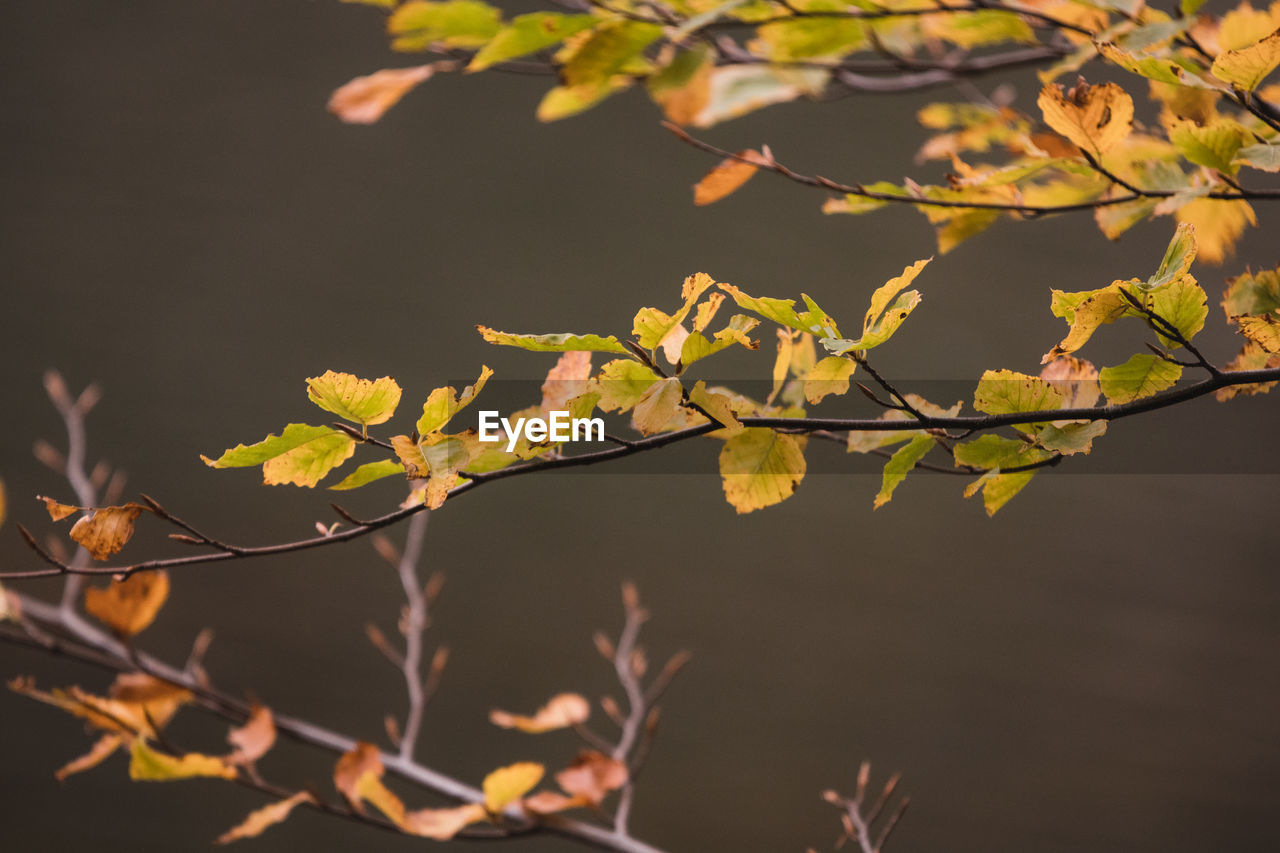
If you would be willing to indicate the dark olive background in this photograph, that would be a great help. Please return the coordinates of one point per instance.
(1094, 669)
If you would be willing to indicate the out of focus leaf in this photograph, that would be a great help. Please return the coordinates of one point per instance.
(443, 403)
(366, 99)
(725, 178)
(507, 784)
(418, 24)
(1247, 67)
(260, 820)
(128, 606)
(147, 765)
(254, 738)
(528, 33)
(592, 776)
(1096, 118)
(561, 711)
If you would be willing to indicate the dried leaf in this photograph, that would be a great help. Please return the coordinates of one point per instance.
(265, 817)
(508, 784)
(147, 765)
(254, 738)
(561, 711)
(365, 99)
(107, 530)
(101, 750)
(128, 606)
(724, 179)
(567, 379)
(442, 824)
(1096, 118)
(592, 775)
(58, 511)
(351, 767)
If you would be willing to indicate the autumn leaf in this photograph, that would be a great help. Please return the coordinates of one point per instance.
(1218, 223)
(1075, 380)
(657, 405)
(508, 784)
(1002, 392)
(900, 464)
(368, 473)
(994, 453)
(106, 530)
(351, 767)
(1141, 376)
(1264, 330)
(128, 606)
(260, 820)
(889, 308)
(254, 738)
(760, 468)
(442, 824)
(362, 401)
(1248, 66)
(1096, 118)
(553, 343)
(102, 749)
(365, 99)
(561, 711)
(726, 178)
(301, 455)
(147, 765)
(682, 86)
(527, 34)
(592, 776)
(569, 378)
(57, 511)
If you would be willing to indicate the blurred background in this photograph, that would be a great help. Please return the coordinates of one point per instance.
(1097, 668)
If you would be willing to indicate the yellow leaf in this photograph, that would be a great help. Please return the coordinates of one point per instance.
(147, 765)
(759, 468)
(362, 401)
(443, 403)
(107, 530)
(365, 99)
(561, 711)
(508, 784)
(128, 606)
(265, 817)
(657, 405)
(1263, 330)
(369, 788)
(1218, 223)
(724, 179)
(1247, 67)
(829, 376)
(1096, 118)
(351, 767)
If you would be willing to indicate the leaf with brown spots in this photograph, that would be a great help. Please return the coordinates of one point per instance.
(1096, 118)
(106, 531)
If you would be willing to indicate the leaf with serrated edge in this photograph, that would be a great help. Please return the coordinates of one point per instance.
(1248, 66)
(368, 473)
(443, 403)
(1006, 391)
(1096, 118)
(760, 468)
(362, 401)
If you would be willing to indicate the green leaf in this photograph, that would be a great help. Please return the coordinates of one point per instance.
(1190, 7)
(882, 318)
(1177, 258)
(783, 312)
(1141, 376)
(760, 468)
(443, 403)
(360, 401)
(697, 347)
(1264, 156)
(1004, 391)
(147, 765)
(983, 28)
(1252, 293)
(829, 376)
(994, 453)
(417, 24)
(807, 38)
(1086, 312)
(1184, 305)
(1214, 145)
(652, 326)
(1159, 68)
(1249, 66)
(565, 101)
(1070, 438)
(606, 52)
(736, 90)
(621, 382)
(367, 473)
(528, 33)
(900, 464)
(301, 455)
(564, 342)
(856, 204)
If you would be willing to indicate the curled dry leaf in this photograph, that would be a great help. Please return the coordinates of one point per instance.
(442, 824)
(507, 784)
(147, 765)
(351, 767)
(592, 775)
(57, 511)
(365, 99)
(561, 711)
(107, 530)
(265, 817)
(726, 178)
(128, 606)
(254, 738)
(101, 750)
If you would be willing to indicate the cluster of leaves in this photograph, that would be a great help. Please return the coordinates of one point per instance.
(138, 706)
(1204, 74)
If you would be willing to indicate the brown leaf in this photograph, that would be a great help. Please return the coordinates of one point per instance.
(568, 379)
(365, 99)
(129, 606)
(1075, 379)
(254, 738)
(101, 750)
(725, 178)
(267, 816)
(57, 511)
(351, 767)
(561, 711)
(107, 530)
(442, 824)
(550, 802)
(592, 775)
